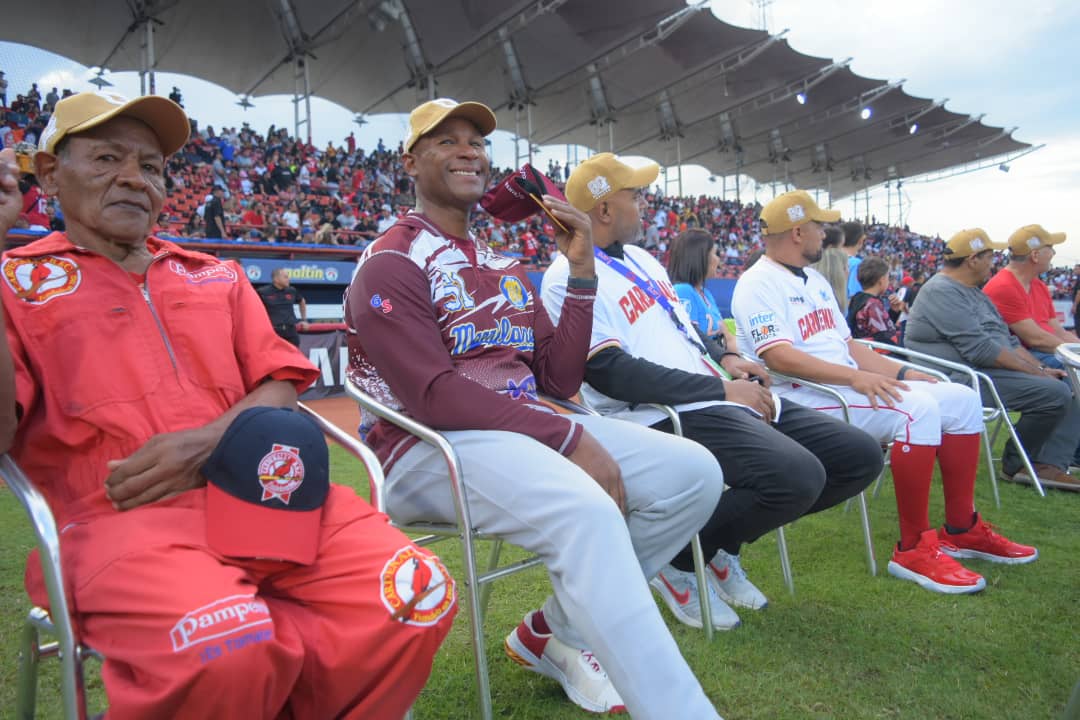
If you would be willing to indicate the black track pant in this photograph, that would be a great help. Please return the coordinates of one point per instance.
(806, 463)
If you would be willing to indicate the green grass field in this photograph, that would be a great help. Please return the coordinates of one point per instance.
(847, 645)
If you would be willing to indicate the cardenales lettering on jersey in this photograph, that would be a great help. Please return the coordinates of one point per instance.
(816, 321)
(636, 301)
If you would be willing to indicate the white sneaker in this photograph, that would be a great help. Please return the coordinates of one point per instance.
(578, 671)
(732, 584)
(679, 589)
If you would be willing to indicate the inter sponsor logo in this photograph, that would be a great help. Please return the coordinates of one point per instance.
(220, 618)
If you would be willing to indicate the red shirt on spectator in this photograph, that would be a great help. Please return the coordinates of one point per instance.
(34, 202)
(1016, 304)
(250, 217)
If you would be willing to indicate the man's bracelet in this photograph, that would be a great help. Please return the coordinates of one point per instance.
(901, 372)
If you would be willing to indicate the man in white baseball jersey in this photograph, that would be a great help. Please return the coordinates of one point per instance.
(456, 336)
(787, 314)
(645, 349)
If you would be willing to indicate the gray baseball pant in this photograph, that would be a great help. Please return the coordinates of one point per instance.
(598, 561)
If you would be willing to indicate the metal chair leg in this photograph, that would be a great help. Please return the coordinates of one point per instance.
(703, 589)
(493, 562)
(867, 537)
(26, 688)
(785, 560)
(990, 466)
(476, 618)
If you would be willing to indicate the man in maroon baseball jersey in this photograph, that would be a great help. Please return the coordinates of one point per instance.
(457, 337)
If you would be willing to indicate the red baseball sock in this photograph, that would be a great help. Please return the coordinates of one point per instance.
(958, 457)
(912, 468)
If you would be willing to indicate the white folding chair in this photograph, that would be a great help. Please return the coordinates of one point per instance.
(997, 415)
(864, 515)
(39, 622)
(477, 583)
(1069, 355)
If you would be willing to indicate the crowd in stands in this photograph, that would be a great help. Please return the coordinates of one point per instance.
(277, 188)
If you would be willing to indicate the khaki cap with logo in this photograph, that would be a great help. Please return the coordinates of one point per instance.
(604, 175)
(792, 209)
(427, 117)
(970, 242)
(86, 110)
(1032, 237)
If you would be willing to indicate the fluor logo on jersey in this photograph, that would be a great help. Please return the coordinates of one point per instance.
(816, 321)
(763, 327)
(39, 280)
(281, 472)
(416, 588)
(514, 291)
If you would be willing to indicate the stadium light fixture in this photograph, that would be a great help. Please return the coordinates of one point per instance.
(913, 129)
(865, 113)
(1003, 167)
(800, 98)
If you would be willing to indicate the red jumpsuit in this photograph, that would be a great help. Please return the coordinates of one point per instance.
(104, 361)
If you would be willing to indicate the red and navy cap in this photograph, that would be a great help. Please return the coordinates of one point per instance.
(519, 195)
(267, 481)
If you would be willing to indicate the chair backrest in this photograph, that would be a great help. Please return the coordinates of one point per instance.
(372, 466)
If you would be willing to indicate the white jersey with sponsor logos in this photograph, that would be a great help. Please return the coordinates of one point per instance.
(627, 317)
(773, 305)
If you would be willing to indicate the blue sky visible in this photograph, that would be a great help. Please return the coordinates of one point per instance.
(1014, 61)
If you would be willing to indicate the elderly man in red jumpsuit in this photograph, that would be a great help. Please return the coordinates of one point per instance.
(124, 359)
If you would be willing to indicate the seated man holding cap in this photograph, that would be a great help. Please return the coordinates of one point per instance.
(131, 372)
(786, 312)
(956, 321)
(456, 336)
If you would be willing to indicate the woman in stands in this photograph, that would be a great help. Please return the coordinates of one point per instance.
(693, 260)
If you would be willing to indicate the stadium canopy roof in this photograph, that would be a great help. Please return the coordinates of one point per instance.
(640, 77)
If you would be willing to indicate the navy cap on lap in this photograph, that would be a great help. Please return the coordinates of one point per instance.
(267, 481)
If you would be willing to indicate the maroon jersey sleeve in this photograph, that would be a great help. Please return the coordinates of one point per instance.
(560, 352)
(390, 308)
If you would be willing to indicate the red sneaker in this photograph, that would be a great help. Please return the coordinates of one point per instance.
(928, 567)
(983, 543)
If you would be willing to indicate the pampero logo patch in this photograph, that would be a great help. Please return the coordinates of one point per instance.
(416, 588)
(218, 619)
(213, 273)
(796, 213)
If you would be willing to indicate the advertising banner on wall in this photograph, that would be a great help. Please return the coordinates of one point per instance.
(328, 352)
(310, 272)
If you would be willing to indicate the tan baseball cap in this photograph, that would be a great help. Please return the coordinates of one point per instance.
(792, 209)
(85, 110)
(427, 117)
(1032, 237)
(970, 242)
(603, 175)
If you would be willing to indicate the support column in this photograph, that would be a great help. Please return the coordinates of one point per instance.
(678, 159)
(147, 82)
(301, 93)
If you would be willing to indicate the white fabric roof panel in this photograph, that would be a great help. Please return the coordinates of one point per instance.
(641, 52)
